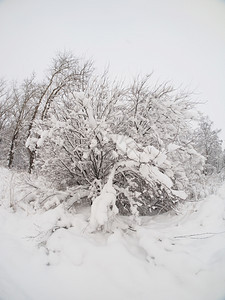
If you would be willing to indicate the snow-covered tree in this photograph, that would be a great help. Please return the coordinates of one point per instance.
(208, 143)
(80, 146)
(66, 73)
(10, 121)
(23, 99)
(162, 117)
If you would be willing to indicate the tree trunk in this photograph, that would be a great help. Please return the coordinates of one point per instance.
(31, 160)
(12, 148)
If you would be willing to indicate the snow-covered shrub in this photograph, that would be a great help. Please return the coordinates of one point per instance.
(77, 148)
(125, 149)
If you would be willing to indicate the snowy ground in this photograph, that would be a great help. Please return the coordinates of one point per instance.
(168, 257)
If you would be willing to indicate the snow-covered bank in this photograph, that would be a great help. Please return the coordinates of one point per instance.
(168, 257)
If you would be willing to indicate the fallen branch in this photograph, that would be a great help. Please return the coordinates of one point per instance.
(204, 235)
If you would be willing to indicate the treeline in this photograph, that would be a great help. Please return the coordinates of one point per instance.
(133, 148)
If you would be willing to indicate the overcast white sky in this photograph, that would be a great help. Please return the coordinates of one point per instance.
(181, 40)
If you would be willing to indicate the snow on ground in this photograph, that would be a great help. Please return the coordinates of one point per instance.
(168, 257)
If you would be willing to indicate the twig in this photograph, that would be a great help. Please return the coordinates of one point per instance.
(204, 235)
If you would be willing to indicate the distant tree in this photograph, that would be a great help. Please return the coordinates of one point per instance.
(208, 143)
(23, 99)
(7, 113)
(4, 103)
